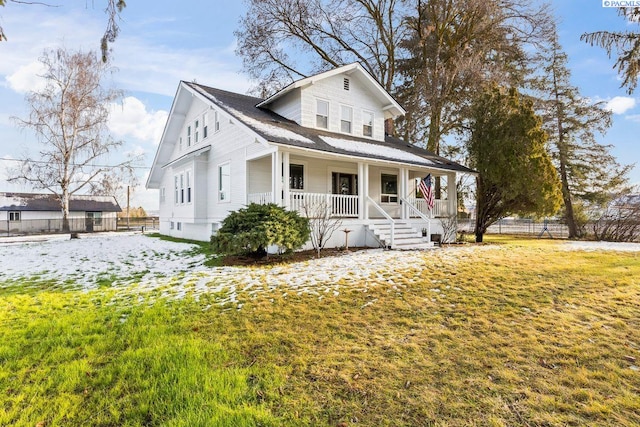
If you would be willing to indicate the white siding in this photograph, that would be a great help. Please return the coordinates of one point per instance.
(289, 106)
(259, 175)
(198, 108)
(229, 145)
(357, 97)
(201, 189)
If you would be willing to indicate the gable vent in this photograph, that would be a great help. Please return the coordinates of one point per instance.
(345, 83)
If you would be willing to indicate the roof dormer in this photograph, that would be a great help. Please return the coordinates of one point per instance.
(346, 100)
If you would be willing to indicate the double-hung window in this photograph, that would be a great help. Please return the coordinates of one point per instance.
(322, 114)
(367, 123)
(176, 198)
(389, 188)
(181, 188)
(205, 127)
(224, 182)
(162, 194)
(95, 218)
(14, 216)
(216, 122)
(346, 118)
(189, 136)
(196, 131)
(188, 186)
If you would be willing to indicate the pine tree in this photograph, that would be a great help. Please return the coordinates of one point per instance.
(588, 171)
(507, 146)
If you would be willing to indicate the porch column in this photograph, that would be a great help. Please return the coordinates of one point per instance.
(276, 177)
(452, 195)
(285, 179)
(402, 191)
(363, 190)
(361, 194)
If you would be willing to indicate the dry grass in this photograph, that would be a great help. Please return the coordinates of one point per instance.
(524, 334)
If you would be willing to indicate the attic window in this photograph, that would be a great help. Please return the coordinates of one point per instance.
(345, 83)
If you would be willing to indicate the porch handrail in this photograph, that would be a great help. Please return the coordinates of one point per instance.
(387, 217)
(440, 207)
(420, 214)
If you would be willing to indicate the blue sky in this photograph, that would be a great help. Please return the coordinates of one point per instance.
(165, 41)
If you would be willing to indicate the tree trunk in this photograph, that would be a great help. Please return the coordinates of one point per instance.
(570, 216)
(480, 226)
(65, 211)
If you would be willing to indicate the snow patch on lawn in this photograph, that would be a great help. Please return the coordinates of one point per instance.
(602, 246)
(92, 257)
(143, 269)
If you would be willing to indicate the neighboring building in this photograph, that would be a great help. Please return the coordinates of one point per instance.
(318, 142)
(28, 213)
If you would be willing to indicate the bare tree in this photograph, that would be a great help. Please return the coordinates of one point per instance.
(455, 47)
(113, 9)
(69, 117)
(278, 39)
(321, 223)
(620, 220)
(449, 226)
(587, 169)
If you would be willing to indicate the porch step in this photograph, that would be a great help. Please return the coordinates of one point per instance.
(405, 236)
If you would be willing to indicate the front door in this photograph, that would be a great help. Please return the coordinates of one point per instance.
(344, 183)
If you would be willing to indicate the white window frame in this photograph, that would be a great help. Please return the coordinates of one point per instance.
(196, 131)
(162, 195)
(216, 121)
(366, 115)
(171, 225)
(179, 226)
(180, 141)
(389, 198)
(348, 108)
(205, 127)
(182, 188)
(96, 218)
(224, 195)
(318, 115)
(176, 195)
(189, 188)
(189, 136)
(15, 216)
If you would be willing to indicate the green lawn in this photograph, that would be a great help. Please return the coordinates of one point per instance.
(521, 334)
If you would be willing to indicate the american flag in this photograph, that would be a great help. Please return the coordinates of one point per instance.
(427, 191)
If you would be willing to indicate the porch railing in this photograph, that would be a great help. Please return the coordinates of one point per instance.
(390, 220)
(440, 207)
(260, 198)
(314, 204)
(415, 212)
(320, 204)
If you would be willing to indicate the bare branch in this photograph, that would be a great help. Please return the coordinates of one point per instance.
(69, 117)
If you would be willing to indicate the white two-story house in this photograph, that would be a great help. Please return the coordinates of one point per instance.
(319, 142)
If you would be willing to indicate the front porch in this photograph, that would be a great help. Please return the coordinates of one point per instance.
(360, 193)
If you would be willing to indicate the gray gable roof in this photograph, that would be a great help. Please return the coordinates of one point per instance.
(49, 202)
(280, 130)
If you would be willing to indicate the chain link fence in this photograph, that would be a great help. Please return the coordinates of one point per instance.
(76, 225)
(528, 227)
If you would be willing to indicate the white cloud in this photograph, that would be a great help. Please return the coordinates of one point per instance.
(131, 118)
(620, 104)
(27, 78)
